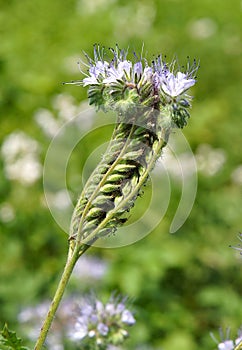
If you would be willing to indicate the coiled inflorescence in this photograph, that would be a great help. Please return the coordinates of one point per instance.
(150, 100)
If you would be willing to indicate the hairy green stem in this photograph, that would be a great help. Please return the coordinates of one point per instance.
(71, 261)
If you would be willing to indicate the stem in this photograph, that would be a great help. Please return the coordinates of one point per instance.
(71, 261)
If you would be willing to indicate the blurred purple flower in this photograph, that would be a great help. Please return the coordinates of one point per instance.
(103, 323)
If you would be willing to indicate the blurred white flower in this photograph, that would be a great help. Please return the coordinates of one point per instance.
(46, 120)
(236, 175)
(65, 106)
(20, 155)
(209, 160)
(17, 145)
(202, 28)
(67, 109)
(26, 170)
(92, 6)
(7, 213)
(82, 115)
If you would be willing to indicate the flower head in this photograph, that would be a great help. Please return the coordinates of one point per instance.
(118, 83)
(173, 82)
(162, 75)
(103, 323)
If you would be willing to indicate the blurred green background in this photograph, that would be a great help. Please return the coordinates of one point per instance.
(184, 285)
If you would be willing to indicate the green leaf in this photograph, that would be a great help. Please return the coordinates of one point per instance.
(10, 340)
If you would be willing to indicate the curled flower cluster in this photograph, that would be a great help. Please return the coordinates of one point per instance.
(150, 100)
(102, 324)
(118, 81)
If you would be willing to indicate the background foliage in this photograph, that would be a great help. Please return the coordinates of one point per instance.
(183, 285)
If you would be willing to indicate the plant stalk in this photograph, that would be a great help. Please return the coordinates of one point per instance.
(73, 256)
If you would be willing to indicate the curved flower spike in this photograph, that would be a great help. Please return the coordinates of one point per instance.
(150, 101)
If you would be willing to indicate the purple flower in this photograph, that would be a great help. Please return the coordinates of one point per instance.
(116, 73)
(138, 68)
(96, 71)
(127, 317)
(175, 85)
(103, 323)
(102, 329)
(120, 307)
